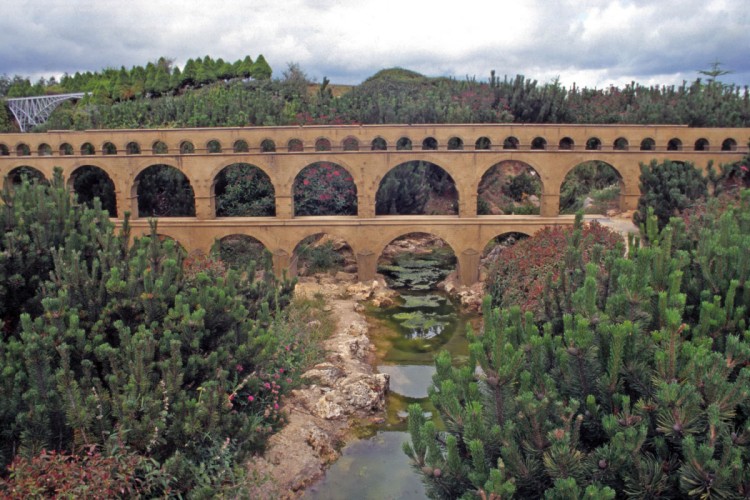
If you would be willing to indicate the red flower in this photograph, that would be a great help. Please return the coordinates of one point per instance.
(305, 182)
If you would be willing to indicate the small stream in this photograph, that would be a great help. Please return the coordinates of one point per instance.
(406, 336)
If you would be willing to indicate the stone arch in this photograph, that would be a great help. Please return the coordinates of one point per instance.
(108, 148)
(213, 146)
(133, 148)
(267, 146)
(702, 144)
(509, 187)
(322, 251)
(483, 143)
(502, 239)
(88, 149)
(566, 144)
(295, 146)
(322, 144)
(90, 182)
(455, 144)
(674, 144)
(594, 186)
(620, 144)
(240, 146)
(159, 148)
(16, 175)
(66, 149)
(429, 144)
(399, 248)
(539, 143)
(350, 144)
(729, 144)
(511, 142)
(648, 144)
(324, 188)
(417, 188)
(593, 144)
(23, 149)
(44, 149)
(237, 250)
(243, 190)
(379, 144)
(4, 151)
(161, 190)
(403, 144)
(187, 148)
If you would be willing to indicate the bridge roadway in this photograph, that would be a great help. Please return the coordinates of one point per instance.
(368, 153)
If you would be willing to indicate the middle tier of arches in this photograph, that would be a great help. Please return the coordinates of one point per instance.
(285, 175)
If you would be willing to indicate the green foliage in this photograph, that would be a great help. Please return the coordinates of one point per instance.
(668, 188)
(409, 188)
(90, 183)
(180, 361)
(164, 191)
(634, 389)
(246, 191)
(207, 92)
(587, 179)
(317, 257)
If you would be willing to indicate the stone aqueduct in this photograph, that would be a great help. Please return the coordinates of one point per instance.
(368, 153)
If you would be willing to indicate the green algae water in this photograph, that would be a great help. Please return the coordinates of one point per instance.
(406, 337)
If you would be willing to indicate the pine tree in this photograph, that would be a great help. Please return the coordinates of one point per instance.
(631, 396)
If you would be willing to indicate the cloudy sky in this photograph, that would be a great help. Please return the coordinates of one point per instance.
(589, 42)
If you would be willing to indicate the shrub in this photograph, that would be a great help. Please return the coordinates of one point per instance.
(137, 347)
(325, 189)
(668, 188)
(520, 272)
(630, 398)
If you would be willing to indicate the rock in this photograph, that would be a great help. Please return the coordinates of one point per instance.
(359, 291)
(346, 277)
(351, 268)
(324, 373)
(382, 301)
(359, 307)
(322, 444)
(314, 324)
(327, 409)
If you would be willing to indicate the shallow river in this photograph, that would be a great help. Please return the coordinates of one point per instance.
(406, 337)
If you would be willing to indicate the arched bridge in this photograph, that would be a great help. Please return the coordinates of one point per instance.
(368, 153)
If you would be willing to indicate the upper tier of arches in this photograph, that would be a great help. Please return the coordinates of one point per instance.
(347, 138)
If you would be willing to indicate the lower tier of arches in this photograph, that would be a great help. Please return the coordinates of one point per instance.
(366, 237)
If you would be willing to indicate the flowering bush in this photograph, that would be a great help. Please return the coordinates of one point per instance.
(520, 273)
(52, 474)
(325, 188)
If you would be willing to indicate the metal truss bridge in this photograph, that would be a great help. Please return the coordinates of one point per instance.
(33, 111)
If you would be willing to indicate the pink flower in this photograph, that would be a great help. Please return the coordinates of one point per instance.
(267, 385)
(231, 397)
(250, 398)
(743, 168)
(281, 370)
(239, 368)
(305, 182)
(276, 406)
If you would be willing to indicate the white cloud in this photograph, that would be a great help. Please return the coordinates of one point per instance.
(591, 42)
